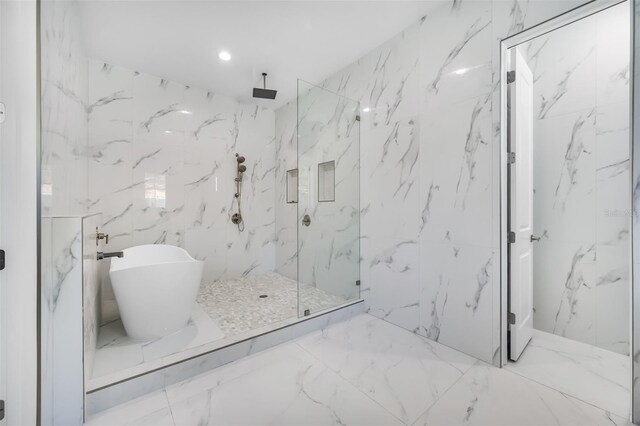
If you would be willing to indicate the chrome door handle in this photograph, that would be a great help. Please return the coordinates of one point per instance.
(532, 238)
(306, 220)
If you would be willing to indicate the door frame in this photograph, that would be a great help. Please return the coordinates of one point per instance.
(559, 21)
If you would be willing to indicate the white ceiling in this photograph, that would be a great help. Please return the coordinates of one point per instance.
(180, 40)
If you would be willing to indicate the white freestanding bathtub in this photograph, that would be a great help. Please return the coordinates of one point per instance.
(156, 286)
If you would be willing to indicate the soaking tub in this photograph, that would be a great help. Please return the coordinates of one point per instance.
(156, 286)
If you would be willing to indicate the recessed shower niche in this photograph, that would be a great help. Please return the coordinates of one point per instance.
(327, 181)
(292, 186)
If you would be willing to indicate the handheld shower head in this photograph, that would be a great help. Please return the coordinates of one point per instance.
(239, 158)
(242, 168)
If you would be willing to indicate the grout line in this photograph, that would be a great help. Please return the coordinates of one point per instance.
(476, 363)
(566, 394)
(353, 385)
(405, 331)
(429, 341)
(164, 390)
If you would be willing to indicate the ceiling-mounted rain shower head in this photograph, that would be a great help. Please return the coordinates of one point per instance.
(264, 93)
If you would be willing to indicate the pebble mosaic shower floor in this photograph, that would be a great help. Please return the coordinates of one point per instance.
(237, 305)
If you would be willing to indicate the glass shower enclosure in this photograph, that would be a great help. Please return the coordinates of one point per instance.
(328, 210)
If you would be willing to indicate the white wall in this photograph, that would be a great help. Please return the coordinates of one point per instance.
(581, 179)
(18, 153)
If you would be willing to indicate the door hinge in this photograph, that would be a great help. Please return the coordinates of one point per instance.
(512, 237)
(357, 118)
(511, 156)
(511, 76)
(307, 312)
(1, 409)
(358, 282)
(1, 260)
(512, 318)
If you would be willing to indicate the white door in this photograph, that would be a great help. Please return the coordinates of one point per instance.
(521, 206)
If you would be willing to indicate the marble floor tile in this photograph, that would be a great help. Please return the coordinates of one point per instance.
(116, 351)
(487, 395)
(151, 409)
(161, 417)
(114, 358)
(293, 388)
(402, 371)
(593, 375)
(201, 330)
(369, 372)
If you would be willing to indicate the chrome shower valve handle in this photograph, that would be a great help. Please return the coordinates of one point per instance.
(101, 236)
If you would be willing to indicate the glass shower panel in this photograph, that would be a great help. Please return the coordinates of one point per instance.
(328, 199)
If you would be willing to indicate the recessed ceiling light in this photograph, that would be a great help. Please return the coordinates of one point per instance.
(224, 55)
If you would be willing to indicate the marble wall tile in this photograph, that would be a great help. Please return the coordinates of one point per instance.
(455, 53)
(564, 181)
(581, 180)
(64, 191)
(62, 377)
(612, 66)
(612, 173)
(391, 268)
(389, 188)
(564, 78)
(564, 290)
(384, 80)
(613, 307)
(162, 170)
(455, 300)
(63, 112)
(456, 164)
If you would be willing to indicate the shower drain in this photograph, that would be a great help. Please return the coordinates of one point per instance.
(262, 296)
